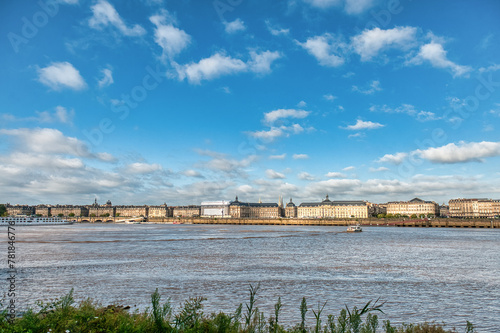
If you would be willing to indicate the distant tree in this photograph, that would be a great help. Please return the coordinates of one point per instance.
(3, 210)
(71, 215)
(430, 215)
(38, 215)
(422, 215)
(117, 214)
(381, 216)
(390, 216)
(49, 214)
(92, 215)
(60, 214)
(413, 216)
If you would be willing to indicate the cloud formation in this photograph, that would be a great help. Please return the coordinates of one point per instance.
(369, 43)
(363, 125)
(461, 153)
(104, 14)
(234, 26)
(327, 49)
(171, 39)
(60, 75)
(435, 54)
(220, 64)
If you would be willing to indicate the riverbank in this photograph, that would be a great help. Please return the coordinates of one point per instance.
(63, 316)
(383, 222)
(430, 223)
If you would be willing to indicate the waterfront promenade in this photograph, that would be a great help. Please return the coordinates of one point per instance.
(424, 223)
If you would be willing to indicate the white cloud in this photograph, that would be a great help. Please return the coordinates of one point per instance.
(300, 156)
(370, 42)
(324, 3)
(61, 114)
(261, 62)
(329, 97)
(407, 109)
(335, 175)
(273, 116)
(171, 39)
(59, 75)
(267, 135)
(105, 14)
(277, 157)
(397, 158)
(221, 163)
(219, 64)
(352, 7)
(463, 152)
(107, 78)
(357, 6)
(374, 87)
(362, 125)
(193, 173)
(435, 54)
(276, 132)
(271, 174)
(327, 49)
(492, 68)
(142, 168)
(380, 169)
(276, 31)
(305, 176)
(234, 26)
(356, 135)
(210, 68)
(50, 141)
(349, 168)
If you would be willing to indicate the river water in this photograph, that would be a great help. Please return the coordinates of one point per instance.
(423, 274)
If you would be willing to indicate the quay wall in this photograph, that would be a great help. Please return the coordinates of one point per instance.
(424, 223)
(434, 223)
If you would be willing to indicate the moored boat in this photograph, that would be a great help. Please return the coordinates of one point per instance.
(32, 220)
(354, 228)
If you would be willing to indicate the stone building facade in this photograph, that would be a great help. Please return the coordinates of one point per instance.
(474, 208)
(238, 209)
(101, 211)
(333, 209)
(291, 210)
(415, 206)
(131, 211)
(19, 210)
(69, 210)
(187, 211)
(158, 211)
(43, 210)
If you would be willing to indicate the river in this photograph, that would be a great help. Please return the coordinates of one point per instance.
(422, 274)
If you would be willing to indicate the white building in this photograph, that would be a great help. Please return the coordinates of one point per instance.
(215, 208)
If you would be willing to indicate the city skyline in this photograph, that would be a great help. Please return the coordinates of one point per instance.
(180, 102)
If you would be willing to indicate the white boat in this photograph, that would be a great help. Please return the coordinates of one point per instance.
(32, 220)
(354, 228)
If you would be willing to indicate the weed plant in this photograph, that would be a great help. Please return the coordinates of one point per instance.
(64, 316)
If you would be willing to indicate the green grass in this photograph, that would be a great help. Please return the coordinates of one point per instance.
(64, 316)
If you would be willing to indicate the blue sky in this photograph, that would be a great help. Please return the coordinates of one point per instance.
(146, 102)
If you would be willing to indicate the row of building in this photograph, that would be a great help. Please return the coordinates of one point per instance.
(461, 208)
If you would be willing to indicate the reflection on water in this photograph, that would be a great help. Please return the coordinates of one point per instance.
(449, 275)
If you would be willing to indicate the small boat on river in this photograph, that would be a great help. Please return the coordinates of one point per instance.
(354, 228)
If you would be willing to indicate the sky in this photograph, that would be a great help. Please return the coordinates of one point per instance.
(179, 102)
